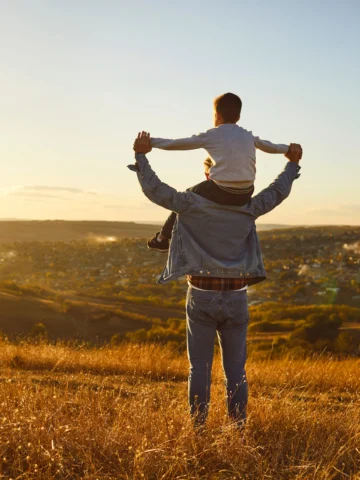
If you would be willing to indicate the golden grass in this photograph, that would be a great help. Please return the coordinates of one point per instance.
(121, 413)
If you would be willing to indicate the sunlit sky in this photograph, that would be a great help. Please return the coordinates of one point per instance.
(80, 78)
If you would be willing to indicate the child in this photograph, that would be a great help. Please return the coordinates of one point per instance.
(232, 155)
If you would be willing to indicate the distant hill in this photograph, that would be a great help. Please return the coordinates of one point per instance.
(65, 231)
(262, 227)
(85, 318)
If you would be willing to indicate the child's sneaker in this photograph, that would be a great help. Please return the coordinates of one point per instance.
(159, 245)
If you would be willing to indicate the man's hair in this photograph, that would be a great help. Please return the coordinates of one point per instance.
(208, 164)
(229, 106)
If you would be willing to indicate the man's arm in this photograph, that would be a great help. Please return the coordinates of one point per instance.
(272, 196)
(154, 189)
(190, 143)
(268, 147)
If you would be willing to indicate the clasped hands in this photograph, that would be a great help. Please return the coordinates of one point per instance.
(142, 143)
(294, 153)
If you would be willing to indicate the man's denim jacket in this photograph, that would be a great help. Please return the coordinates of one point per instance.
(210, 239)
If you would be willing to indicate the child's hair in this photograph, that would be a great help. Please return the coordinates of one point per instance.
(229, 106)
(208, 164)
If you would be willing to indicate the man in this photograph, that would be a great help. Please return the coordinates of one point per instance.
(217, 247)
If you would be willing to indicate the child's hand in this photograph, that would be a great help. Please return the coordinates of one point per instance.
(142, 143)
(294, 153)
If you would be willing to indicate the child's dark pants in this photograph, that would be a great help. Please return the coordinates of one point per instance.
(211, 191)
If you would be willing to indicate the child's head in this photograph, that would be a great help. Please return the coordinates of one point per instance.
(227, 108)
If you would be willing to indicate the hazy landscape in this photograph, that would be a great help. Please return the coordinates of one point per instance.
(101, 286)
(64, 231)
(87, 333)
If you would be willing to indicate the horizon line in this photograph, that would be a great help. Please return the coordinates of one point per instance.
(159, 222)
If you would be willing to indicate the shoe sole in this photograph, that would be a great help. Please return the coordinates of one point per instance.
(158, 249)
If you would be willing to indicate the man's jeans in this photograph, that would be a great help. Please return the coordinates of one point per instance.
(224, 313)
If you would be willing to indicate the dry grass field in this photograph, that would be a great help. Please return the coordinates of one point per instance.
(121, 413)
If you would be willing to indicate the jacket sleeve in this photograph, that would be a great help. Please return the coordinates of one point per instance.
(274, 194)
(190, 143)
(268, 147)
(157, 191)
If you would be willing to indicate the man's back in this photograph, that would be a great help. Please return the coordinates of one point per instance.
(212, 239)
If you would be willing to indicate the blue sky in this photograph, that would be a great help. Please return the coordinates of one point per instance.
(80, 78)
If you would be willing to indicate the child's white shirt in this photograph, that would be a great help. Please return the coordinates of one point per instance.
(232, 150)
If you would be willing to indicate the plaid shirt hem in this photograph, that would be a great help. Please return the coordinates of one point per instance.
(220, 284)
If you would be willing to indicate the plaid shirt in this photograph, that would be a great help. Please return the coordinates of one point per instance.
(220, 284)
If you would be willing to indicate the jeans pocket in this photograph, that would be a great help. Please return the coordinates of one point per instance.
(238, 313)
(199, 309)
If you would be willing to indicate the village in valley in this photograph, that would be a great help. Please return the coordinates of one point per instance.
(317, 267)
(312, 265)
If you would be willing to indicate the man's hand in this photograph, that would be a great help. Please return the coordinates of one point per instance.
(143, 143)
(294, 153)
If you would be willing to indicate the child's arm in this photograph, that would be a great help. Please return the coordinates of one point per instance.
(269, 147)
(190, 143)
(155, 190)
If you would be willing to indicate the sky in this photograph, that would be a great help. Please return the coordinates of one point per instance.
(80, 78)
